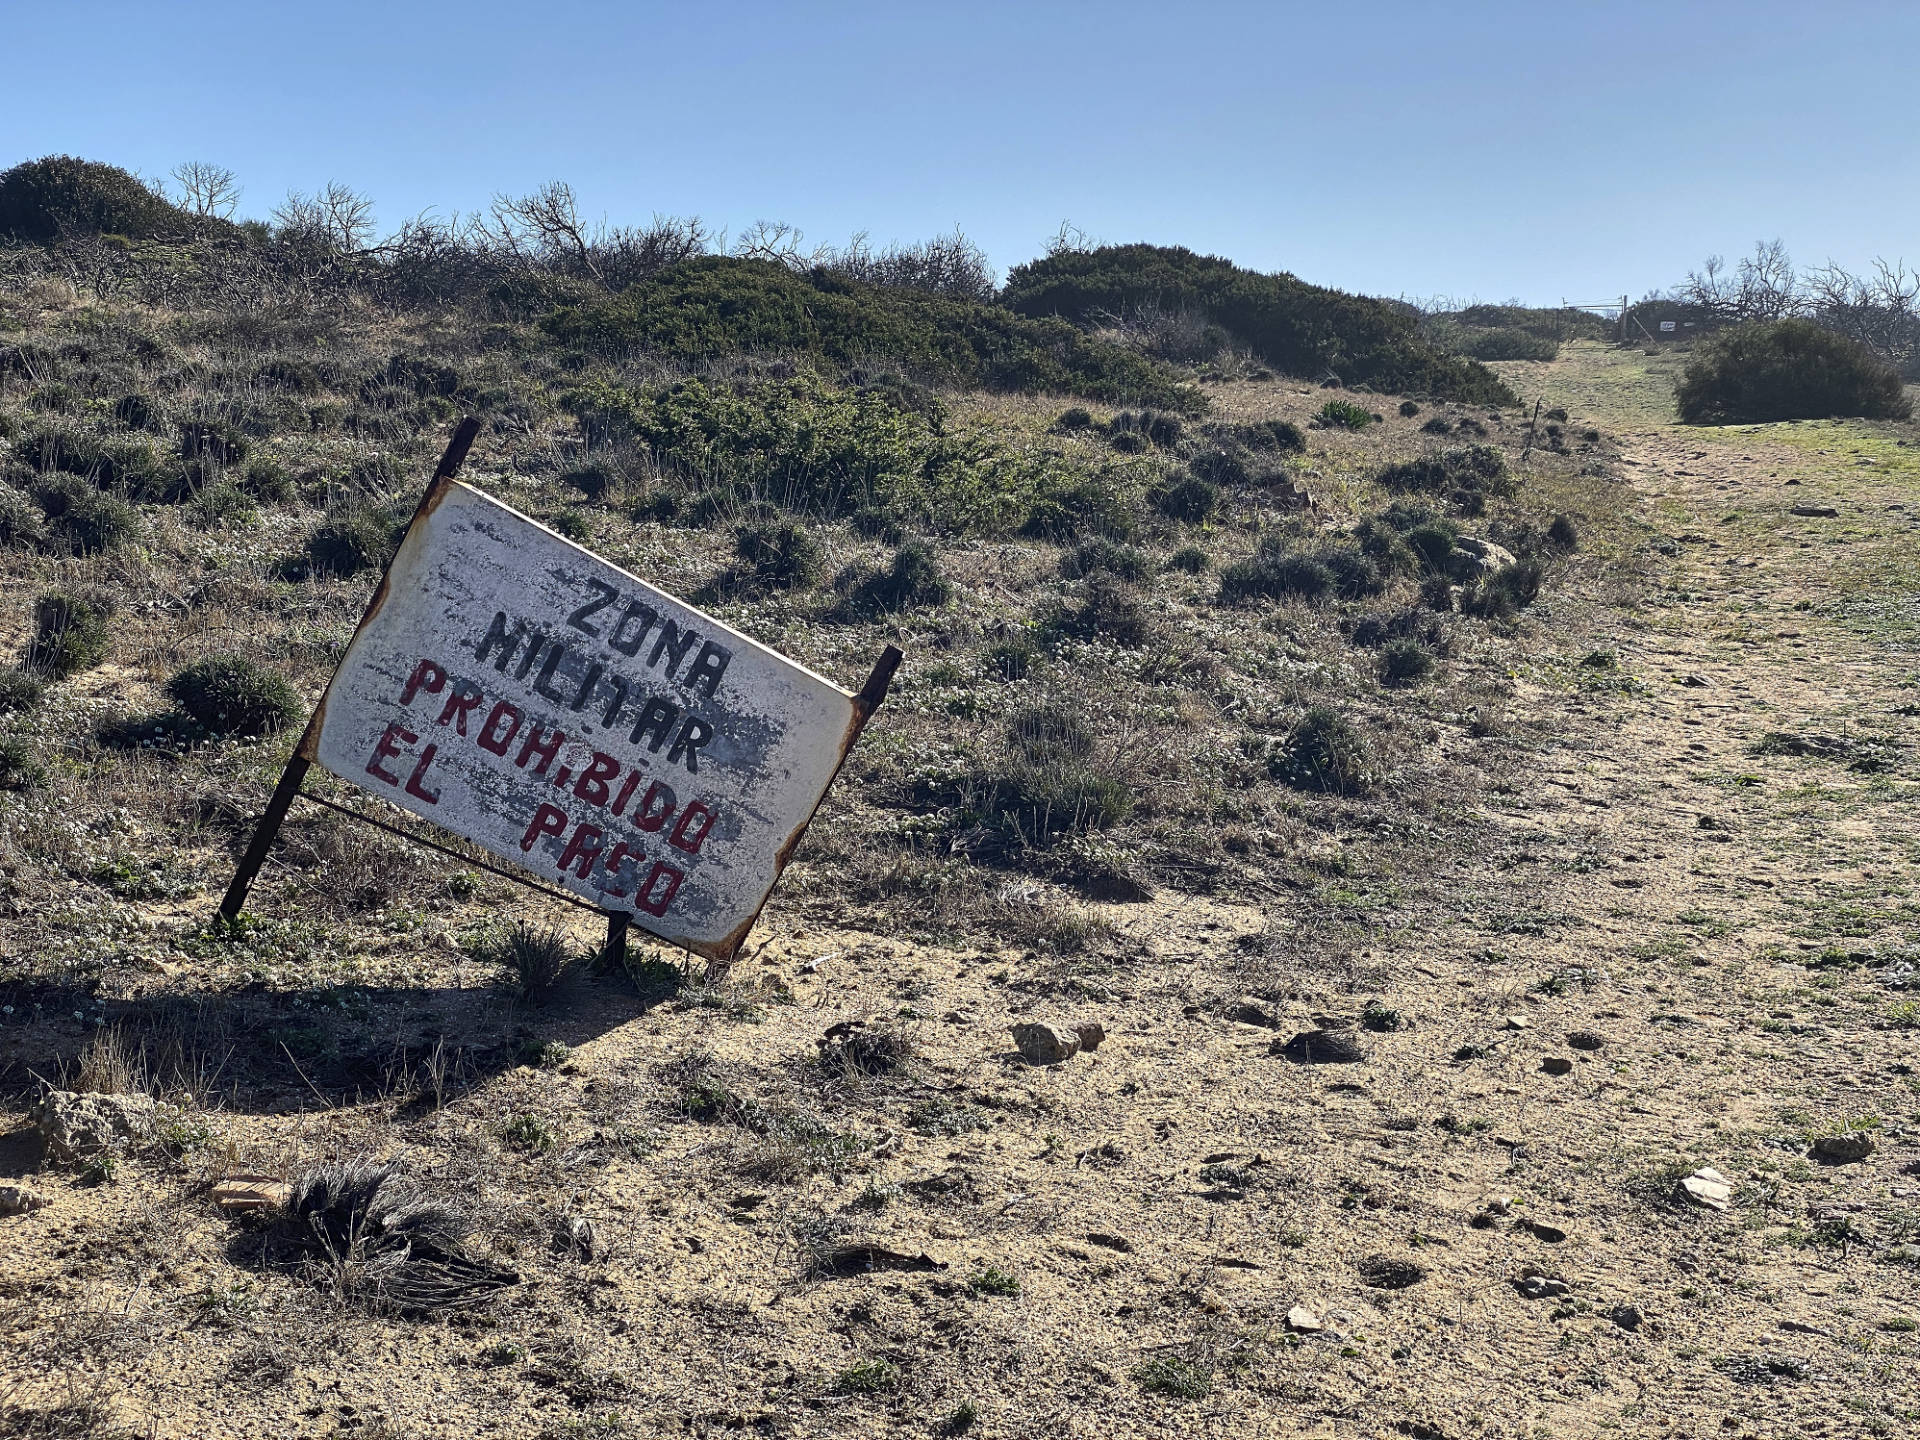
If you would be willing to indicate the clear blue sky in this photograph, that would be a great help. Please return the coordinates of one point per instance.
(1540, 150)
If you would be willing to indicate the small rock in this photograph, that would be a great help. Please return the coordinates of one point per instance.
(251, 1192)
(1303, 1321)
(1707, 1186)
(1322, 1047)
(18, 1200)
(1045, 1044)
(1557, 1065)
(1519, 1022)
(1587, 1040)
(1815, 512)
(1491, 558)
(1090, 1035)
(76, 1125)
(1627, 1317)
(1541, 1287)
(1844, 1149)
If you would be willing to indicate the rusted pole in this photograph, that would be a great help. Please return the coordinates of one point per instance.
(301, 760)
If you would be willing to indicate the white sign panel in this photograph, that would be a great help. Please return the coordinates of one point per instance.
(515, 689)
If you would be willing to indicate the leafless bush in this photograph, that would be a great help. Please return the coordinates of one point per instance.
(1880, 310)
(209, 191)
(1764, 286)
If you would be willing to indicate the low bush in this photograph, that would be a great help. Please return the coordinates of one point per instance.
(1074, 420)
(1104, 556)
(912, 581)
(1787, 370)
(1163, 432)
(60, 195)
(592, 481)
(1408, 409)
(1324, 752)
(1282, 435)
(1276, 571)
(1464, 476)
(1110, 610)
(533, 959)
(268, 481)
(1344, 415)
(350, 541)
(69, 635)
(1295, 327)
(1438, 425)
(1191, 559)
(230, 695)
(715, 305)
(19, 690)
(1403, 662)
(22, 525)
(1503, 594)
(779, 555)
(1563, 534)
(1189, 499)
(81, 520)
(1053, 781)
(20, 768)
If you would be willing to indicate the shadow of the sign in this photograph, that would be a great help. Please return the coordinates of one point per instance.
(257, 1050)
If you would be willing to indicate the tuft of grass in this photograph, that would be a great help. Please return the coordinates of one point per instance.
(993, 1281)
(530, 1134)
(1344, 415)
(69, 636)
(534, 959)
(1170, 1375)
(867, 1377)
(781, 555)
(230, 695)
(1190, 559)
(1324, 752)
(1405, 662)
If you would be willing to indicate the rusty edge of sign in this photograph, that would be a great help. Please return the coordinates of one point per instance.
(718, 953)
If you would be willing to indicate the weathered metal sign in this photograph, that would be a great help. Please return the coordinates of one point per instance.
(518, 690)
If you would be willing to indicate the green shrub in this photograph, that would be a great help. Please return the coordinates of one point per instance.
(20, 768)
(268, 481)
(1298, 328)
(42, 200)
(1104, 556)
(1274, 572)
(1503, 594)
(1282, 435)
(1074, 420)
(22, 524)
(573, 525)
(1189, 499)
(1190, 559)
(81, 520)
(1170, 1375)
(867, 1377)
(1433, 544)
(822, 449)
(1403, 662)
(1110, 611)
(1408, 409)
(1787, 370)
(223, 505)
(230, 695)
(138, 412)
(1504, 344)
(1345, 415)
(19, 690)
(533, 959)
(716, 305)
(1161, 431)
(1324, 752)
(1464, 476)
(352, 540)
(911, 582)
(1438, 425)
(1012, 659)
(782, 555)
(1051, 782)
(1563, 534)
(69, 635)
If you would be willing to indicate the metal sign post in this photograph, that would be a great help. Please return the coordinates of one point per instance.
(517, 690)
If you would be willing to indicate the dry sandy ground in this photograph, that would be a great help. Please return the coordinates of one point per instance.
(1728, 923)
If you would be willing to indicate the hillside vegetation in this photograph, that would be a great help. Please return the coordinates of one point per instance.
(1295, 327)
